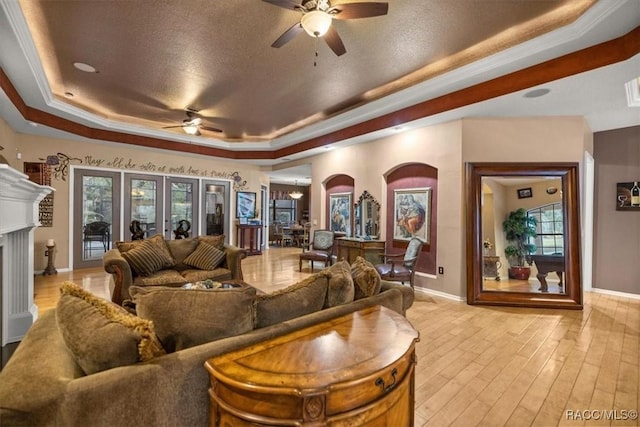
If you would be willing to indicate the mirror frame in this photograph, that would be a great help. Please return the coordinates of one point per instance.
(572, 298)
(368, 197)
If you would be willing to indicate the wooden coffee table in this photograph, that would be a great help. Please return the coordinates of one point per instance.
(357, 369)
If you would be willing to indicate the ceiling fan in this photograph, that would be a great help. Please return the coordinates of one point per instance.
(317, 16)
(192, 124)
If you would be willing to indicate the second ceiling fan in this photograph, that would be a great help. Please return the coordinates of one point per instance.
(317, 16)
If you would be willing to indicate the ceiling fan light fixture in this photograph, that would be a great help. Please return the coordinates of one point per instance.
(316, 23)
(190, 129)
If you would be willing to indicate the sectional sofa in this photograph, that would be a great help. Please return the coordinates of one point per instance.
(65, 370)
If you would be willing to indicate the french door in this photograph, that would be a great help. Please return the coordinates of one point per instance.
(182, 207)
(143, 202)
(96, 215)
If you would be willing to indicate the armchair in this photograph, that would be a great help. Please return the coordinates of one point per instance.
(401, 267)
(319, 249)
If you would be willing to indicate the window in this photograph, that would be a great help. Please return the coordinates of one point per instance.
(283, 211)
(550, 229)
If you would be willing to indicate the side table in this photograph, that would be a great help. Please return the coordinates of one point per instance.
(357, 369)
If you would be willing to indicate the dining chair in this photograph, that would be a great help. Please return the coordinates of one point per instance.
(401, 267)
(319, 249)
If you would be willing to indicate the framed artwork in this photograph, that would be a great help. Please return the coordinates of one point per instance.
(411, 217)
(525, 193)
(628, 196)
(245, 204)
(340, 212)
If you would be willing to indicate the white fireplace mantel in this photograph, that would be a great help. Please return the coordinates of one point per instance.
(19, 202)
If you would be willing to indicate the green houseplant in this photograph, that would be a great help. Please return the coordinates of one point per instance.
(519, 227)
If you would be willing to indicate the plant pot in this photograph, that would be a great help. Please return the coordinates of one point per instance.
(519, 273)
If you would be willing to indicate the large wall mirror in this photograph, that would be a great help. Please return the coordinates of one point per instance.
(523, 245)
(367, 217)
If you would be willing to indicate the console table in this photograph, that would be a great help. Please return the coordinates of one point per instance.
(350, 248)
(357, 369)
(254, 231)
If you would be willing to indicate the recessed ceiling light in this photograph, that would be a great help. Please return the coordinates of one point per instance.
(34, 124)
(537, 93)
(68, 95)
(85, 67)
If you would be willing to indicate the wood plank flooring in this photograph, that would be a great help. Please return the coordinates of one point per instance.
(484, 366)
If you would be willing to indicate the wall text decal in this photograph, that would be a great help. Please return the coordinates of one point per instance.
(61, 168)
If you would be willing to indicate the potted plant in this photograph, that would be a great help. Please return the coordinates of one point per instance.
(519, 227)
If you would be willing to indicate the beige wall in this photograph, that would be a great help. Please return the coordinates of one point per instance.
(34, 149)
(616, 248)
(447, 147)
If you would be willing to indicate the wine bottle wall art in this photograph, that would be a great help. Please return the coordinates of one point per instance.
(628, 196)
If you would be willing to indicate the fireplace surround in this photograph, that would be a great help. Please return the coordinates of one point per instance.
(19, 200)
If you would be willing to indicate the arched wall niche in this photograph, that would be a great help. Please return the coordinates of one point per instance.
(339, 184)
(408, 176)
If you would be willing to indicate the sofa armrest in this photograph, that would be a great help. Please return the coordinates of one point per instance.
(235, 255)
(114, 263)
(407, 292)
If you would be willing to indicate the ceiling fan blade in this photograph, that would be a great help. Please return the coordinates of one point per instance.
(359, 10)
(211, 129)
(287, 4)
(334, 41)
(288, 35)
(171, 127)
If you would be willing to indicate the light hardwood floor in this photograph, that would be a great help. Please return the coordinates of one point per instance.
(487, 366)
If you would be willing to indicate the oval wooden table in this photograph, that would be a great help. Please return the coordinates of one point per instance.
(355, 370)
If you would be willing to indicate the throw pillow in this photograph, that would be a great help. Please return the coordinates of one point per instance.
(341, 288)
(100, 334)
(149, 256)
(180, 249)
(365, 277)
(216, 241)
(185, 318)
(126, 246)
(304, 297)
(205, 257)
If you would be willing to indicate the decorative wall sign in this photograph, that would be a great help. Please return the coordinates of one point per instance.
(411, 214)
(40, 173)
(340, 211)
(628, 196)
(46, 211)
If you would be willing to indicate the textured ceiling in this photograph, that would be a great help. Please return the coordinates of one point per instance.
(154, 58)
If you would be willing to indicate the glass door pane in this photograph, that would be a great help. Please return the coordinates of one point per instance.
(182, 214)
(143, 204)
(96, 215)
(216, 208)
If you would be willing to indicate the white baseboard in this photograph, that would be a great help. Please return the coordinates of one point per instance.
(439, 294)
(614, 293)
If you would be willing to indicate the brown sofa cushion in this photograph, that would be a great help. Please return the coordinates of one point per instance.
(205, 257)
(365, 277)
(100, 334)
(185, 318)
(149, 256)
(341, 288)
(180, 249)
(304, 297)
(196, 275)
(161, 278)
(215, 241)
